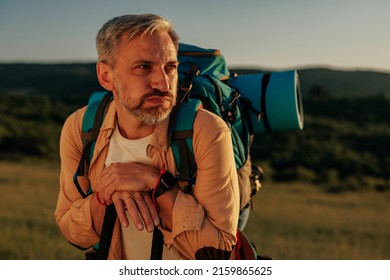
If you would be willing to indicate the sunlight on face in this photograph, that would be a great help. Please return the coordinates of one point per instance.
(145, 77)
(136, 106)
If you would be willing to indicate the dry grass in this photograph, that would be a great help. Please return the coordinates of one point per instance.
(298, 221)
(290, 221)
(27, 202)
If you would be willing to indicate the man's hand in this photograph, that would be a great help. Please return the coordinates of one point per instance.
(128, 177)
(126, 185)
(140, 207)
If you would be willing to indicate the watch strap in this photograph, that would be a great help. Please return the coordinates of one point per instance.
(166, 183)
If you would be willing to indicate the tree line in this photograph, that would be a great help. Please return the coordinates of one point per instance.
(343, 146)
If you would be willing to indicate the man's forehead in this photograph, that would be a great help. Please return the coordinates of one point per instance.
(155, 45)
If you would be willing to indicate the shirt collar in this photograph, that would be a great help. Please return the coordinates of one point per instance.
(160, 133)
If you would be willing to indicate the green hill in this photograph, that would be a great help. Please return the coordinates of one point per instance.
(66, 81)
(58, 81)
(343, 146)
(345, 83)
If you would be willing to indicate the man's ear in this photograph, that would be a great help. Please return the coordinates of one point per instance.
(104, 75)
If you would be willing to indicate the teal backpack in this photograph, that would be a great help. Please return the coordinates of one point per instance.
(203, 76)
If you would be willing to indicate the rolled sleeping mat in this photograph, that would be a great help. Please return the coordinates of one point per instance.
(276, 98)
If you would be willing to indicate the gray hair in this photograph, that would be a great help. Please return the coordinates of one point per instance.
(132, 25)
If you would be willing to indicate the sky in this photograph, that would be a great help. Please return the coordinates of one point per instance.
(270, 34)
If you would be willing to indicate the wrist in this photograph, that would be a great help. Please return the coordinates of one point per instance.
(166, 182)
(166, 204)
(101, 202)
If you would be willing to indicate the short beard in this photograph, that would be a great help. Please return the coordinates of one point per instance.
(151, 116)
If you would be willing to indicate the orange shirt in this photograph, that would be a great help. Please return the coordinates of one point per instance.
(204, 224)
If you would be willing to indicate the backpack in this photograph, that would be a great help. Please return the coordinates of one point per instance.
(203, 79)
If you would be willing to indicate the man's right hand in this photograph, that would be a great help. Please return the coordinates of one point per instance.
(141, 209)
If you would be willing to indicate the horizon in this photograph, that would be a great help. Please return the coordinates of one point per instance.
(341, 35)
(243, 67)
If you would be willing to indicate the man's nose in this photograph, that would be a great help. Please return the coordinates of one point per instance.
(160, 80)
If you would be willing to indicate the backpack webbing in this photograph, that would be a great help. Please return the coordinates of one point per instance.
(92, 120)
(181, 143)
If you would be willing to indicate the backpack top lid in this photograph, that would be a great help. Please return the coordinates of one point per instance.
(209, 61)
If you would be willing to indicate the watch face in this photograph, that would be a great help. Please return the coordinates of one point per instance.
(168, 180)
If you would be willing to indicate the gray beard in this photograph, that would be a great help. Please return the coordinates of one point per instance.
(150, 116)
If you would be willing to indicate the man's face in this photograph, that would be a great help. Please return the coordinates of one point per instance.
(145, 77)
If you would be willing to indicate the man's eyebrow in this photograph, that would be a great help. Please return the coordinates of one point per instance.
(142, 61)
(146, 61)
(173, 61)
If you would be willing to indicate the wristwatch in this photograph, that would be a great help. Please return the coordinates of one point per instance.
(166, 183)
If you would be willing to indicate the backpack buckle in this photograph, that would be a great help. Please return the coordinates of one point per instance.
(229, 116)
(186, 86)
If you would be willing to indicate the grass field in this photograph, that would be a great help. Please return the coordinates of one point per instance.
(290, 221)
(297, 221)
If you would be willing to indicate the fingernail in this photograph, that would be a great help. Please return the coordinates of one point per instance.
(140, 227)
(156, 222)
(150, 228)
(124, 224)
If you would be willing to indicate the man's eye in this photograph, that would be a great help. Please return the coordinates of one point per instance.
(171, 68)
(144, 66)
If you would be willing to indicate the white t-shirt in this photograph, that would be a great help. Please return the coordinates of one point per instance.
(136, 244)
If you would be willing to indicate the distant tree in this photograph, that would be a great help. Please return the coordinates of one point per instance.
(319, 92)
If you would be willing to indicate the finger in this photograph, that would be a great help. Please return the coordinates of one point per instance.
(103, 186)
(133, 212)
(152, 209)
(121, 212)
(144, 211)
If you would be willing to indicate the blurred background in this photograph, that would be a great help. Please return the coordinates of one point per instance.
(326, 188)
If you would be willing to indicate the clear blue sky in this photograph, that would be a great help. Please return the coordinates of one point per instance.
(276, 34)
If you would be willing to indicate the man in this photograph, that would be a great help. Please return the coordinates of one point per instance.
(137, 61)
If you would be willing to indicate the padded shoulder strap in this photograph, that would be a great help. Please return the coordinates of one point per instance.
(182, 138)
(92, 120)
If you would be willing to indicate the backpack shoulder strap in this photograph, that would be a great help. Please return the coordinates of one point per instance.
(183, 118)
(180, 133)
(94, 116)
(92, 120)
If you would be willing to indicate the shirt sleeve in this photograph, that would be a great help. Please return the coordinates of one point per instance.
(205, 224)
(73, 214)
